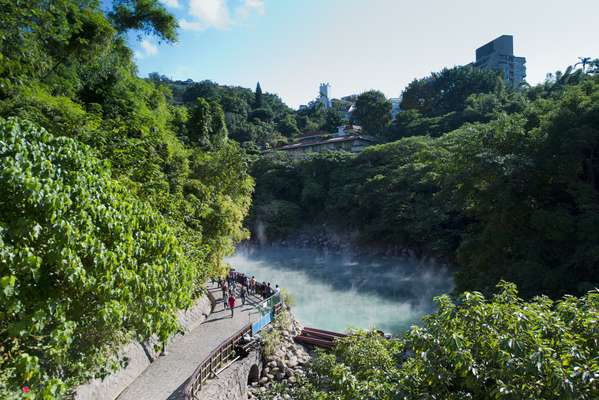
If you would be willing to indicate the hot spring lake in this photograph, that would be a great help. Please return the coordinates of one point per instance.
(337, 292)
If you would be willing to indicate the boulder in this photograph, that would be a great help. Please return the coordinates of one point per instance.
(293, 362)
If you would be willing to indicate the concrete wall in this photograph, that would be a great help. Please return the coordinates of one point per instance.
(140, 355)
(231, 384)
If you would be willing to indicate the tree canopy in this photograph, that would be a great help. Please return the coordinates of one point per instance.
(373, 112)
(476, 348)
(115, 209)
(514, 197)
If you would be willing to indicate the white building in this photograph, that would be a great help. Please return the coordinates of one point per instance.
(325, 95)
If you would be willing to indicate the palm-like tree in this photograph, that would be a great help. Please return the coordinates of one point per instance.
(584, 61)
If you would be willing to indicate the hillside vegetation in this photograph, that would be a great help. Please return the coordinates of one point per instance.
(120, 196)
(478, 348)
(115, 204)
(514, 196)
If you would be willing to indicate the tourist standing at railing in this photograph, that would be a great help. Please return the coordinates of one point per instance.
(232, 304)
(253, 285)
(242, 294)
(277, 290)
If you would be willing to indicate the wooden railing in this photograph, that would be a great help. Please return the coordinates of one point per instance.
(219, 358)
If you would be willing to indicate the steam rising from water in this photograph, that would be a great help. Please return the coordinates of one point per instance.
(338, 292)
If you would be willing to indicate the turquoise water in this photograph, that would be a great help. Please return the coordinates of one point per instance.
(339, 292)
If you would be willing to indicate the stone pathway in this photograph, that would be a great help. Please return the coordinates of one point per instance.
(165, 377)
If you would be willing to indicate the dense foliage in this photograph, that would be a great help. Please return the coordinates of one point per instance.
(446, 100)
(514, 198)
(477, 348)
(83, 264)
(256, 120)
(87, 260)
(373, 113)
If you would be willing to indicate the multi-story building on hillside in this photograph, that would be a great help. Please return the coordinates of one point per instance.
(499, 55)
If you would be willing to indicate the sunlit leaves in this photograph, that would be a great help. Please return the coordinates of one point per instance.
(477, 348)
(83, 264)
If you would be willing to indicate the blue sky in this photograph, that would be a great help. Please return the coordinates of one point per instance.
(290, 46)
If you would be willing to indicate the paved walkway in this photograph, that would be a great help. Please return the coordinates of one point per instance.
(165, 377)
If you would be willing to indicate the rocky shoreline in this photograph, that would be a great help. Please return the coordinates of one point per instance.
(285, 365)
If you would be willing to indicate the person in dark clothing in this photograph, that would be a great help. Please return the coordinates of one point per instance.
(225, 291)
(268, 290)
(242, 294)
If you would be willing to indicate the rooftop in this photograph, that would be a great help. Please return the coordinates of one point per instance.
(340, 139)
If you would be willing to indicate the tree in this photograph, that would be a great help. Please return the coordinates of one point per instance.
(83, 264)
(447, 90)
(200, 122)
(288, 126)
(373, 112)
(218, 130)
(332, 120)
(476, 348)
(148, 16)
(262, 114)
(258, 96)
(584, 61)
(206, 124)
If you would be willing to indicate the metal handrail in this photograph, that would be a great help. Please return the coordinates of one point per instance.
(221, 355)
(217, 358)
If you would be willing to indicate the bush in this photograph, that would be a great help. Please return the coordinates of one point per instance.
(84, 265)
(498, 348)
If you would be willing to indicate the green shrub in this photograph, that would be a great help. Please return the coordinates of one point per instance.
(498, 348)
(84, 265)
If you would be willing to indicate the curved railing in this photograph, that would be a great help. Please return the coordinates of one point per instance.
(225, 353)
(218, 358)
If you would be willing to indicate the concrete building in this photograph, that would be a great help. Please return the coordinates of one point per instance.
(325, 95)
(499, 55)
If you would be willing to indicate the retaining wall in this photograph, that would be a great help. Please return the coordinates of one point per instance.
(232, 383)
(139, 356)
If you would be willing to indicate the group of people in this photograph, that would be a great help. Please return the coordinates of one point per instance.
(246, 286)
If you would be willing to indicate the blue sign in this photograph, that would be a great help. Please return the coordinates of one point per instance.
(259, 325)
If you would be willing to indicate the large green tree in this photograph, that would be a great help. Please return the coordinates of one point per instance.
(84, 265)
(373, 112)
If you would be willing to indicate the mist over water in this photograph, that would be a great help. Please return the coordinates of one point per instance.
(338, 292)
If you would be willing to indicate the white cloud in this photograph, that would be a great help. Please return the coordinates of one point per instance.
(191, 25)
(172, 3)
(249, 6)
(149, 49)
(211, 12)
(219, 14)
